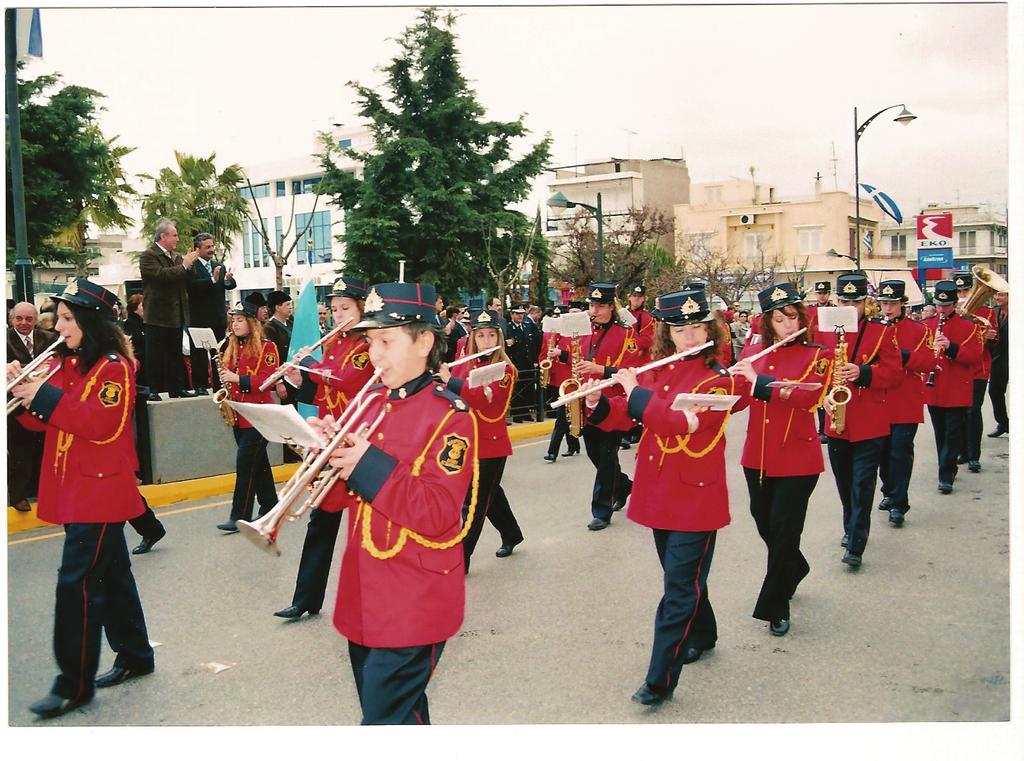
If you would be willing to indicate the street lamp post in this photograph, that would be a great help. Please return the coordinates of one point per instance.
(904, 118)
(559, 201)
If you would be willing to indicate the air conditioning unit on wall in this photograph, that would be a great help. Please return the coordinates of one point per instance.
(747, 219)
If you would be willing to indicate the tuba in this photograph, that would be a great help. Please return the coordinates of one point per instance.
(574, 409)
(839, 395)
(986, 283)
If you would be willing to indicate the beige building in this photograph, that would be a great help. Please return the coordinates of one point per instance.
(980, 236)
(624, 184)
(757, 230)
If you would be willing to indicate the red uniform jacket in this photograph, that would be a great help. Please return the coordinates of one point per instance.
(905, 400)
(253, 369)
(782, 430)
(402, 580)
(89, 464)
(873, 347)
(490, 415)
(984, 369)
(680, 480)
(643, 330)
(954, 383)
(348, 360)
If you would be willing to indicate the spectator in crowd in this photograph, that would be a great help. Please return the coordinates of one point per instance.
(25, 341)
(533, 318)
(727, 354)
(260, 301)
(278, 327)
(321, 310)
(1000, 365)
(740, 330)
(208, 283)
(165, 299)
(455, 329)
(927, 311)
(439, 316)
(45, 321)
(521, 349)
(134, 327)
(494, 305)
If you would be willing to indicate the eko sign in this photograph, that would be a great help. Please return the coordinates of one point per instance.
(935, 241)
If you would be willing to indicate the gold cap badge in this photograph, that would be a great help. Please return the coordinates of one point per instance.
(888, 291)
(778, 294)
(484, 317)
(596, 294)
(689, 306)
(374, 303)
(339, 284)
(849, 288)
(236, 308)
(71, 289)
(960, 282)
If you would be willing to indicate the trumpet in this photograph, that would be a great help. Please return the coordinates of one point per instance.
(286, 366)
(34, 371)
(839, 395)
(303, 491)
(573, 396)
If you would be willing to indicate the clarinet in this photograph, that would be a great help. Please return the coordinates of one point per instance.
(938, 332)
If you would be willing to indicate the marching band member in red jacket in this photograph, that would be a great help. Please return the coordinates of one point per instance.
(551, 349)
(970, 448)
(490, 405)
(346, 362)
(248, 360)
(958, 351)
(823, 293)
(88, 484)
(873, 365)
(609, 347)
(401, 593)
(904, 401)
(782, 455)
(643, 330)
(680, 487)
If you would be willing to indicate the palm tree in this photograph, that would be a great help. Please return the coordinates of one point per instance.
(197, 198)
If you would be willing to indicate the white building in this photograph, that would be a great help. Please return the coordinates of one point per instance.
(284, 193)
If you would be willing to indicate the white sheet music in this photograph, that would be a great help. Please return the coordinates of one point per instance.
(627, 317)
(203, 338)
(829, 318)
(280, 423)
(711, 401)
(574, 323)
(482, 376)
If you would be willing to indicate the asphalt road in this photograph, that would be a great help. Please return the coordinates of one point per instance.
(560, 633)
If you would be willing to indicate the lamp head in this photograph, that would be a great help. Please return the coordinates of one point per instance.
(905, 117)
(559, 201)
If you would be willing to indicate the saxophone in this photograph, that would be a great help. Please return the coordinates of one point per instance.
(221, 397)
(574, 409)
(839, 395)
(545, 364)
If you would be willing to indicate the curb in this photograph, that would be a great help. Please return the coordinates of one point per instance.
(161, 495)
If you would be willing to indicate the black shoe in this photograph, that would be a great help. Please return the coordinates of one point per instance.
(896, 517)
(295, 611)
(649, 696)
(693, 654)
(845, 541)
(154, 397)
(852, 560)
(54, 705)
(147, 544)
(200, 391)
(779, 628)
(22, 506)
(945, 488)
(598, 524)
(999, 431)
(506, 549)
(624, 445)
(228, 526)
(974, 466)
(823, 438)
(572, 452)
(119, 674)
(550, 457)
(885, 504)
(961, 460)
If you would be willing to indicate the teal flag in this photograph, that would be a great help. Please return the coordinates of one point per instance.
(305, 331)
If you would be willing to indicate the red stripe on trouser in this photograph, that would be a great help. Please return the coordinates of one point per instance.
(696, 605)
(85, 614)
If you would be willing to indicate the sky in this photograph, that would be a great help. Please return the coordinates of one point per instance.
(727, 87)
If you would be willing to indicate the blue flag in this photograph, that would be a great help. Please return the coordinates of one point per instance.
(885, 203)
(305, 331)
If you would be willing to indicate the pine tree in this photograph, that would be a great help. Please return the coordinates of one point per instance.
(439, 172)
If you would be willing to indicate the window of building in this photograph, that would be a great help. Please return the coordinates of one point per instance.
(308, 185)
(713, 194)
(260, 257)
(246, 253)
(296, 187)
(346, 143)
(258, 191)
(968, 242)
(320, 230)
(754, 245)
(809, 240)
(280, 188)
(898, 245)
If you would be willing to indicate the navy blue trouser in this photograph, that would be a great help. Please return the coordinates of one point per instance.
(253, 477)
(971, 439)
(610, 483)
(779, 506)
(685, 617)
(147, 524)
(315, 563)
(560, 431)
(392, 682)
(997, 392)
(491, 503)
(897, 465)
(855, 467)
(947, 424)
(96, 592)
